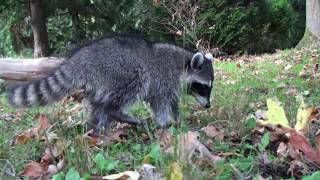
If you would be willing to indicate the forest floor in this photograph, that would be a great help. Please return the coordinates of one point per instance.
(227, 141)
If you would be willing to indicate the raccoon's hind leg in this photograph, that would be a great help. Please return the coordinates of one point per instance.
(99, 119)
(103, 114)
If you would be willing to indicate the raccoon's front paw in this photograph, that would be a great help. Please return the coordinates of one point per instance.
(164, 124)
(124, 118)
(99, 128)
(163, 120)
(131, 120)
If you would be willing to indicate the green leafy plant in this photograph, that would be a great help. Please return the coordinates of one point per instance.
(251, 123)
(59, 176)
(314, 176)
(72, 174)
(104, 164)
(264, 142)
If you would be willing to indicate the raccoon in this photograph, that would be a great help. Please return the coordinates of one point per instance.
(117, 70)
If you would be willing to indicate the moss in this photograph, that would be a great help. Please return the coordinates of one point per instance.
(309, 41)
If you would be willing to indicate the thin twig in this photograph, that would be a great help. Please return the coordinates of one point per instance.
(237, 172)
(50, 149)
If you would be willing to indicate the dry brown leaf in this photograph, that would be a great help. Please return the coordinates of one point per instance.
(317, 139)
(45, 168)
(23, 137)
(33, 170)
(315, 114)
(93, 141)
(259, 129)
(189, 143)
(90, 137)
(46, 157)
(166, 142)
(301, 143)
(293, 144)
(60, 146)
(43, 123)
(213, 132)
(119, 135)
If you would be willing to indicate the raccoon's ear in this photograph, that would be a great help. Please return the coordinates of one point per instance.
(209, 56)
(197, 60)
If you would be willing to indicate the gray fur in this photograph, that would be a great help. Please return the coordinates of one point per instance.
(114, 71)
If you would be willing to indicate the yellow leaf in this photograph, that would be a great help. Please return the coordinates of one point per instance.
(276, 114)
(147, 159)
(176, 172)
(302, 116)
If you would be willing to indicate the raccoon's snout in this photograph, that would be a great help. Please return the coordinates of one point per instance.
(208, 105)
(204, 102)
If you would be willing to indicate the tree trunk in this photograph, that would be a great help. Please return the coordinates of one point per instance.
(40, 34)
(313, 17)
(311, 38)
(73, 9)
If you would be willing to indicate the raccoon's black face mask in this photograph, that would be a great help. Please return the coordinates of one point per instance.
(200, 78)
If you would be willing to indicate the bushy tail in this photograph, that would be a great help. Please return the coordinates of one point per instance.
(41, 92)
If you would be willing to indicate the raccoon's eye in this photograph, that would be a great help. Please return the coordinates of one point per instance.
(202, 85)
(199, 86)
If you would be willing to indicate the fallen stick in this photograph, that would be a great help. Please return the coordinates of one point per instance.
(19, 70)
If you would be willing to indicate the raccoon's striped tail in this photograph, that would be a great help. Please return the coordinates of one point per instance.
(41, 92)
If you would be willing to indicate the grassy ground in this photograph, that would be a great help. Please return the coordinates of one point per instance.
(241, 88)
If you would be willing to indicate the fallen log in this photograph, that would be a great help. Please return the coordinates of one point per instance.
(17, 71)
(20, 70)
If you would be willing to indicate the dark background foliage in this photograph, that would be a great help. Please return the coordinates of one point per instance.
(244, 26)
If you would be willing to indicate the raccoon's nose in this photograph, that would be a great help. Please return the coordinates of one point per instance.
(208, 105)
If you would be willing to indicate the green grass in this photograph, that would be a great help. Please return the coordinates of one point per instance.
(239, 91)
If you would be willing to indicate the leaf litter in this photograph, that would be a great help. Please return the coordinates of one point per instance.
(33, 133)
(290, 144)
